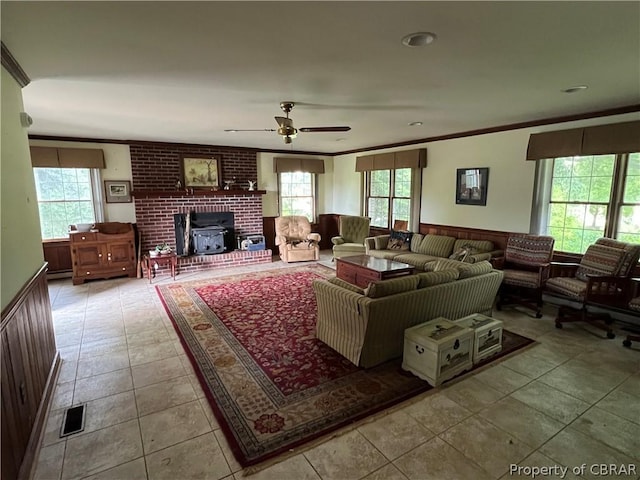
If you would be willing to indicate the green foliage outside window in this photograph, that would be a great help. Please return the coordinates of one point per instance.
(581, 201)
(64, 198)
(389, 196)
(297, 194)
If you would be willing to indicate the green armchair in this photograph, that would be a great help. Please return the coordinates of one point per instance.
(353, 230)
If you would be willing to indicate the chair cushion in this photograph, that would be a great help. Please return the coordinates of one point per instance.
(399, 240)
(293, 227)
(427, 279)
(631, 253)
(529, 249)
(354, 229)
(521, 278)
(567, 286)
(600, 260)
(384, 288)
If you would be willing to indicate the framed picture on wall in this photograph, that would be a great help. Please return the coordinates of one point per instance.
(471, 186)
(201, 172)
(117, 191)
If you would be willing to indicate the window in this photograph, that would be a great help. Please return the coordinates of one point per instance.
(297, 194)
(592, 197)
(388, 196)
(65, 197)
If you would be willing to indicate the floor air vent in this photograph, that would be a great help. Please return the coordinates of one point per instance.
(73, 421)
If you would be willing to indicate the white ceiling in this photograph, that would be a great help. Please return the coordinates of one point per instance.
(185, 71)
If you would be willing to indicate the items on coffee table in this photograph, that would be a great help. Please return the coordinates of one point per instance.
(487, 335)
(437, 350)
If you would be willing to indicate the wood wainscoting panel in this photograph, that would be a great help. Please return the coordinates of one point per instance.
(30, 364)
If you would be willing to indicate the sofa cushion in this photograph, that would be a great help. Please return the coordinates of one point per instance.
(384, 288)
(380, 242)
(428, 279)
(399, 240)
(479, 246)
(388, 254)
(416, 259)
(341, 283)
(600, 260)
(416, 240)
(442, 264)
(436, 246)
(468, 270)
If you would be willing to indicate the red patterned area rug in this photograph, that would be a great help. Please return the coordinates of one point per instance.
(271, 384)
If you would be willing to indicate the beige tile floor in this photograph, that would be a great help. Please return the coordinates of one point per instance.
(572, 399)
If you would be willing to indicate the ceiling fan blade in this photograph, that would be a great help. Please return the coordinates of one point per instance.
(324, 129)
(250, 130)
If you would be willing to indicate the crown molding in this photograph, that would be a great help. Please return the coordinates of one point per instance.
(14, 68)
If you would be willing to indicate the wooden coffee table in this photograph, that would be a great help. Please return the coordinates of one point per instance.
(361, 270)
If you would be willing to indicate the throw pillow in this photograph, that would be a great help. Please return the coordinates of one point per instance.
(399, 240)
(463, 252)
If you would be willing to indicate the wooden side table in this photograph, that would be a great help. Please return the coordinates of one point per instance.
(151, 263)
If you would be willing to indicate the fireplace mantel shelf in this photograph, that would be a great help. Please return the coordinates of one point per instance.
(196, 193)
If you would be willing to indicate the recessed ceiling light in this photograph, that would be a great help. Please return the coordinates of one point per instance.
(415, 124)
(577, 88)
(419, 39)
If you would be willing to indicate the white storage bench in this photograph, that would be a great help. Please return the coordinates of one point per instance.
(488, 335)
(437, 350)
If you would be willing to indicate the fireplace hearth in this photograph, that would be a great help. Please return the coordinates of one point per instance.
(204, 233)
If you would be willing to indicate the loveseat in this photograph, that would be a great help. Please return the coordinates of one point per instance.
(419, 250)
(367, 326)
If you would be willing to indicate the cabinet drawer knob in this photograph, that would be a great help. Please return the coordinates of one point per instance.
(124, 268)
(99, 255)
(84, 238)
(419, 349)
(88, 273)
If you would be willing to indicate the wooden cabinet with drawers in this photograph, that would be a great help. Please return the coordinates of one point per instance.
(108, 251)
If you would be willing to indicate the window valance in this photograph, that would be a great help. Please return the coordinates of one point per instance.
(53, 157)
(391, 160)
(598, 140)
(293, 164)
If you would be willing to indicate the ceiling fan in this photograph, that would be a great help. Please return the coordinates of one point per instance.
(286, 128)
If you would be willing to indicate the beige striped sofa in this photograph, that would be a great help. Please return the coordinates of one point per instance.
(424, 249)
(367, 326)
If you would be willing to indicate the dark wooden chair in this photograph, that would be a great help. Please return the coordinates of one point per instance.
(526, 268)
(599, 281)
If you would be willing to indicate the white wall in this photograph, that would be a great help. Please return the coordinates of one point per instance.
(268, 180)
(21, 253)
(510, 186)
(117, 160)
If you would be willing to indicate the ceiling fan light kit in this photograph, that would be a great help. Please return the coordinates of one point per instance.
(286, 128)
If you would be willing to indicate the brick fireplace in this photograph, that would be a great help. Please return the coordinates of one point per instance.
(156, 168)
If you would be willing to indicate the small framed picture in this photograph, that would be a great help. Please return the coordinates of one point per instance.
(117, 191)
(201, 172)
(471, 186)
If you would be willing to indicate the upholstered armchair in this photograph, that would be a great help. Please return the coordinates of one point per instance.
(295, 240)
(594, 282)
(526, 269)
(353, 230)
